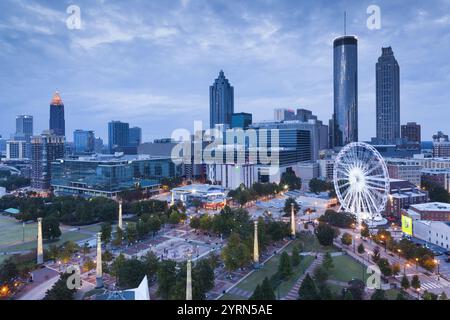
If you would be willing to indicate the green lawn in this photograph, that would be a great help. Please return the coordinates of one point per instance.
(271, 267)
(310, 243)
(12, 231)
(31, 245)
(346, 269)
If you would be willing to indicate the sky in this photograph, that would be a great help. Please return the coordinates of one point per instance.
(151, 62)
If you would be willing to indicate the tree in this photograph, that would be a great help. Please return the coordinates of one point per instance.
(150, 261)
(50, 228)
(290, 179)
(361, 248)
(174, 217)
(86, 249)
(328, 262)
(197, 203)
(257, 293)
(288, 206)
(378, 295)
(308, 289)
(106, 230)
(338, 219)
(325, 234)
(131, 233)
(154, 224)
(295, 257)
(401, 295)
(267, 290)
(60, 290)
(320, 276)
(405, 283)
(318, 185)
(118, 238)
(346, 239)
(8, 271)
(376, 254)
(415, 282)
(385, 267)
(202, 279)
(236, 253)
(166, 276)
(195, 223)
(130, 273)
(365, 232)
(285, 266)
(88, 265)
(429, 295)
(443, 296)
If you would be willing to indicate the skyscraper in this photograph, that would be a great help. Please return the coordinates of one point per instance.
(411, 132)
(221, 101)
(57, 122)
(388, 97)
(24, 127)
(135, 136)
(284, 115)
(345, 74)
(44, 149)
(83, 141)
(118, 135)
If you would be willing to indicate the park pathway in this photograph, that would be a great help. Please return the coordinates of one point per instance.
(293, 293)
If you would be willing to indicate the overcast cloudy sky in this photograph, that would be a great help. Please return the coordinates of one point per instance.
(151, 62)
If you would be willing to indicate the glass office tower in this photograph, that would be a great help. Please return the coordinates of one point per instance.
(57, 121)
(345, 73)
(221, 101)
(388, 97)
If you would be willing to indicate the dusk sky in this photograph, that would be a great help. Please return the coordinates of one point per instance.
(151, 63)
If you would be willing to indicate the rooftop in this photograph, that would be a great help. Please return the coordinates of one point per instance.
(431, 206)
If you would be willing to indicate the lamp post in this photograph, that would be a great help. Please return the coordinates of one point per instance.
(418, 293)
(404, 268)
(384, 242)
(399, 251)
(417, 263)
(436, 262)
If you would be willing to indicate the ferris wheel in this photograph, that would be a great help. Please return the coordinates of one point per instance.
(361, 181)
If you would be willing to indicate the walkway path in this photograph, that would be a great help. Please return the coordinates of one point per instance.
(293, 293)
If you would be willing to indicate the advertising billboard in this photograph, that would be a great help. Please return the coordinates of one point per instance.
(407, 225)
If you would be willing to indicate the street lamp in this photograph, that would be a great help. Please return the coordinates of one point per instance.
(407, 265)
(418, 293)
(399, 251)
(417, 263)
(384, 242)
(436, 262)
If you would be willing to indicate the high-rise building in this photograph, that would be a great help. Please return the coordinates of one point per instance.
(24, 127)
(387, 97)
(241, 120)
(281, 115)
(57, 122)
(84, 141)
(98, 145)
(45, 148)
(441, 145)
(135, 136)
(345, 74)
(16, 149)
(118, 135)
(221, 101)
(411, 132)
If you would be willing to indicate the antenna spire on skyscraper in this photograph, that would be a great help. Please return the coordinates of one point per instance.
(345, 23)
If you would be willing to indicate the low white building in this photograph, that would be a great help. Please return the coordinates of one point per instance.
(2, 192)
(326, 167)
(231, 176)
(307, 171)
(435, 232)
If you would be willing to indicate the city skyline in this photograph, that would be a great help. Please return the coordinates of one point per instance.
(99, 69)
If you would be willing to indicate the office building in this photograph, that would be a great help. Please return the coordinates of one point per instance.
(98, 145)
(16, 149)
(345, 74)
(438, 177)
(108, 175)
(221, 101)
(411, 131)
(284, 115)
(434, 211)
(57, 121)
(118, 135)
(387, 97)
(404, 169)
(241, 120)
(402, 194)
(45, 149)
(84, 141)
(135, 136)
(24, 127)
(230, 176)
(433, 232)
(441, 145)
